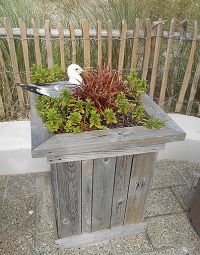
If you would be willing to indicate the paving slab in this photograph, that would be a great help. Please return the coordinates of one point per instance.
(18, 215)
(45, 244)
(3, 182)
(133, 244)
(20, 244)
(20, 185)
(171, 230)
(184, 195)
(103, 248)
(170, 173)
(160, 202)
(44, 204)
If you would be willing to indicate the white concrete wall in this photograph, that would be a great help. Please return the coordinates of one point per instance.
(15, 146)
(190, 148)
(15, 149)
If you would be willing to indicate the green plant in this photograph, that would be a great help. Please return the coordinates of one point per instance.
(138, 86)
(41, 74)
(152, 122)
(104, 100)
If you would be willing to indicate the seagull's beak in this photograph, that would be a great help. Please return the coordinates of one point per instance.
(83, 73)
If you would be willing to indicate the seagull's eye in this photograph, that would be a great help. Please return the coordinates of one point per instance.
(76, 69)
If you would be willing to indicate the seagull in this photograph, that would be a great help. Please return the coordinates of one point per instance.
(53, 89)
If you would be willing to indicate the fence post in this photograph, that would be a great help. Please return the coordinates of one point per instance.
(36, 43)
(48, 44)
(166, 66)
(13, 56)
(147, 49)
(187, 71)
(155, 60)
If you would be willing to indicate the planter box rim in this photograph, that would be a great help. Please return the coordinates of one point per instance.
(116, 139)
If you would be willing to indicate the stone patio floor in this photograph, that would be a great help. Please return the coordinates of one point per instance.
(26, 213)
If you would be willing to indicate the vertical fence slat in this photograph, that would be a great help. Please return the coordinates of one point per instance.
(36, 43)
(6, 87)
(187, 71)
(109, 30)
(2, 111)
(87, 169)
(122, 46)
(62, 46)
(86, 43)
(198, 114)
(73, 42)
(99, 41)
(193, 88)
(13, 56)
(48, 44)
(147, 49)
(155, 59)
(135, 44)
(166, 66)
(22, 28)
(177, 63)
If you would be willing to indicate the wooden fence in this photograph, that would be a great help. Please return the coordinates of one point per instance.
(169, 60)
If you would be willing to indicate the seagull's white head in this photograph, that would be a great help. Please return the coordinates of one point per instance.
(74, 72)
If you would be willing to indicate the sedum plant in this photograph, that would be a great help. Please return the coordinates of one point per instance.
(103, 101)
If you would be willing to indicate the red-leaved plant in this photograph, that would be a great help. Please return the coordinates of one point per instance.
(102, 87)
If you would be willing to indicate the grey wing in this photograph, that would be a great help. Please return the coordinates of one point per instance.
(48, 91)
(65, 84)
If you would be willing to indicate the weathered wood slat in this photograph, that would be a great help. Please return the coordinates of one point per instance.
(124, 150)
(86, 43)
(187, 71)
(22, 27)
(155, 60)
(135, 44)
(198, 114)
(2, 111)
(36, 43)
(139, 181)
(5, 85)
(100, 236)
(87, 173)
(122, 176)
(62, 47)
(147, 49)
(13, 56)
(99, 45)
(177, 63)
(109, 29)
(122, 46)
(166, 66)
(103, 181)
(193, 88)
(73, 42)
(55, 193)
(48, 44)
(39, 133)
(69, 190)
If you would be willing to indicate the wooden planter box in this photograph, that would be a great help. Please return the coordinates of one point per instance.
(100, 178)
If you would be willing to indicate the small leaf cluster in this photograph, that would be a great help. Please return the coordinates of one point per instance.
(152, 122)
(41, 74)
(66, 114)
(138, 86)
